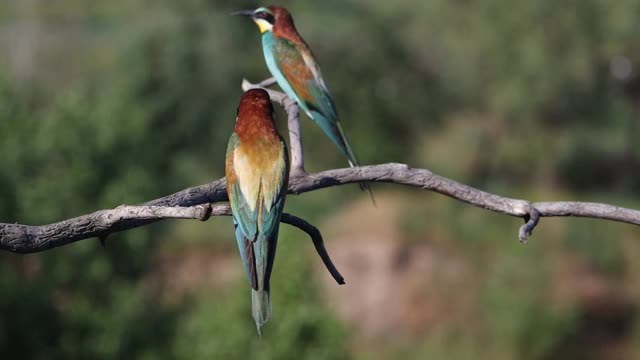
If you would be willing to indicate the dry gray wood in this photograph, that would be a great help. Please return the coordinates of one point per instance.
(183, 204)
(29, 239)
(192, 203)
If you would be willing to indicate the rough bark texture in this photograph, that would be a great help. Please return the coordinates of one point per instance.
(193, 203)
(183, 204)
(29, 239)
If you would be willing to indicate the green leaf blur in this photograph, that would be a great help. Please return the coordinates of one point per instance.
(105, 103)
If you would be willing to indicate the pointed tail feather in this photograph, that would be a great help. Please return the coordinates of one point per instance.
(348, 152)
(331, 128)
(260, 307)
(353, 161)
(364, 186)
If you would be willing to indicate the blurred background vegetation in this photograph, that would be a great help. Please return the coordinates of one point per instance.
(104, 103)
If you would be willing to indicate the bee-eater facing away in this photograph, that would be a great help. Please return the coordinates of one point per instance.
(294, 67)
(257, 170)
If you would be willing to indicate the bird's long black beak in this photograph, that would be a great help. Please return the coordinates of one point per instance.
(243, 13)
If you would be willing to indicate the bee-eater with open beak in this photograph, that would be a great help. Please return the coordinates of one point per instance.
(257, 170)
(294, 67)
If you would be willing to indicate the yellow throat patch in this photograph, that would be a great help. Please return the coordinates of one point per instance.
(263, 25)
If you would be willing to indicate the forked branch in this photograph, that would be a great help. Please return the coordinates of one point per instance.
(193, 203)
(30, 239)
(183, 204)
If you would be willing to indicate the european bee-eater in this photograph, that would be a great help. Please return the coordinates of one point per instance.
(294, 67)
(257, 170)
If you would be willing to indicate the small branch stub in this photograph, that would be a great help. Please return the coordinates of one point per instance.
(193, 203)
(530, 222)
(30, 239)
(25, 238)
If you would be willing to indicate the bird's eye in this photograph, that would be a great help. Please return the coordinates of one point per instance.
(266, 16)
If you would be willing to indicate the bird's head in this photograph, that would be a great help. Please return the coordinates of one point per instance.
(267, 17)
(256, 102)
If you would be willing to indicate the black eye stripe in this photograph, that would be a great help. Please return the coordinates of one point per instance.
(266, 16)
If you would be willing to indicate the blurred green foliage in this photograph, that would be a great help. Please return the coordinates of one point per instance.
(300, 327)
(125, 101)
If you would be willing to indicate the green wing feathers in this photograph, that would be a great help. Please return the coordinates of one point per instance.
(301, 71)
(305, 84)
(256, 194)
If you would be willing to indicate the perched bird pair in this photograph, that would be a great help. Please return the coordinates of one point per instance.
(257, 160)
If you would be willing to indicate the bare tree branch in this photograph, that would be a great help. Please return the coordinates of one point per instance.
(30, 239)
(316, 237)
(193, 203)
(25, 238)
